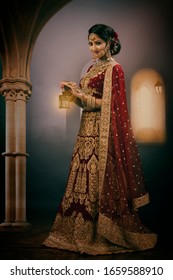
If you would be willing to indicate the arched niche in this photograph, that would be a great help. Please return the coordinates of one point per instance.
(148, 107)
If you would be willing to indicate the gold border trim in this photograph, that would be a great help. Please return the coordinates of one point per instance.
(141, 201)
(104, 124)
(124, 238)
(53, 242)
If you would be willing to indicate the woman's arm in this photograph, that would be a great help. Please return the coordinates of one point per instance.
(81, 99)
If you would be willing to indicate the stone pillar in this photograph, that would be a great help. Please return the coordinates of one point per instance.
(16, 93)
(20, 158)
(9, 158)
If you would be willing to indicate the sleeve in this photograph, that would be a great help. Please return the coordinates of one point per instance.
(77, 100)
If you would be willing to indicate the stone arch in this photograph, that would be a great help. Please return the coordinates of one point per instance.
(20, 25)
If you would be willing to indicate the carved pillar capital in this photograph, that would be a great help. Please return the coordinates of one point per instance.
(9, 95)
(15, 89)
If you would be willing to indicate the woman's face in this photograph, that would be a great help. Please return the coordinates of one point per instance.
(97, 46)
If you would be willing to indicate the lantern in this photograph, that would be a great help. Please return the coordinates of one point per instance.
(65, 98)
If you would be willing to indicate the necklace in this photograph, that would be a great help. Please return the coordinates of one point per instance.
(96, 69)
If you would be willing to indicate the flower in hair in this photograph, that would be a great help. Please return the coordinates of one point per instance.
(115, 35)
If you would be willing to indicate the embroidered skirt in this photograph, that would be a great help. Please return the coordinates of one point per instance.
(76, 224)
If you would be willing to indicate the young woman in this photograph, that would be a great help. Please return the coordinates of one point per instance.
(105, 187)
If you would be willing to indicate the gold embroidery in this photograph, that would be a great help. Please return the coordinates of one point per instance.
(92, 208)
(140, 201)
(81, 185)
(75, 166)
(116, 234)
(90, 123)
(74, 233)
(104, 124)
(94, 71)
(93, 178)
(84, 166)
(89, 90)
(89, 146)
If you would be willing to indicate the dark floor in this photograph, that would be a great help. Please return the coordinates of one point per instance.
(26, 245)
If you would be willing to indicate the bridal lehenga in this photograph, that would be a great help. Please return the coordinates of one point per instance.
(98, 212)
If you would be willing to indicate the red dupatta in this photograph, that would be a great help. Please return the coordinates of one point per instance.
(121, 182)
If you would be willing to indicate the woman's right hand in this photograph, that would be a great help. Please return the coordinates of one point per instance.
(74, 89)
(67, 85)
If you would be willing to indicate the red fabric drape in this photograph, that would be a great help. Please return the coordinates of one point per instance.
(124, 187)
(127, 154)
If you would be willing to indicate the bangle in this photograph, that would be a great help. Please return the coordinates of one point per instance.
(91, 101)
(82, 94)
(82, 97)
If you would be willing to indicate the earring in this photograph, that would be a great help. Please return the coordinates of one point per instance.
(108, 53)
